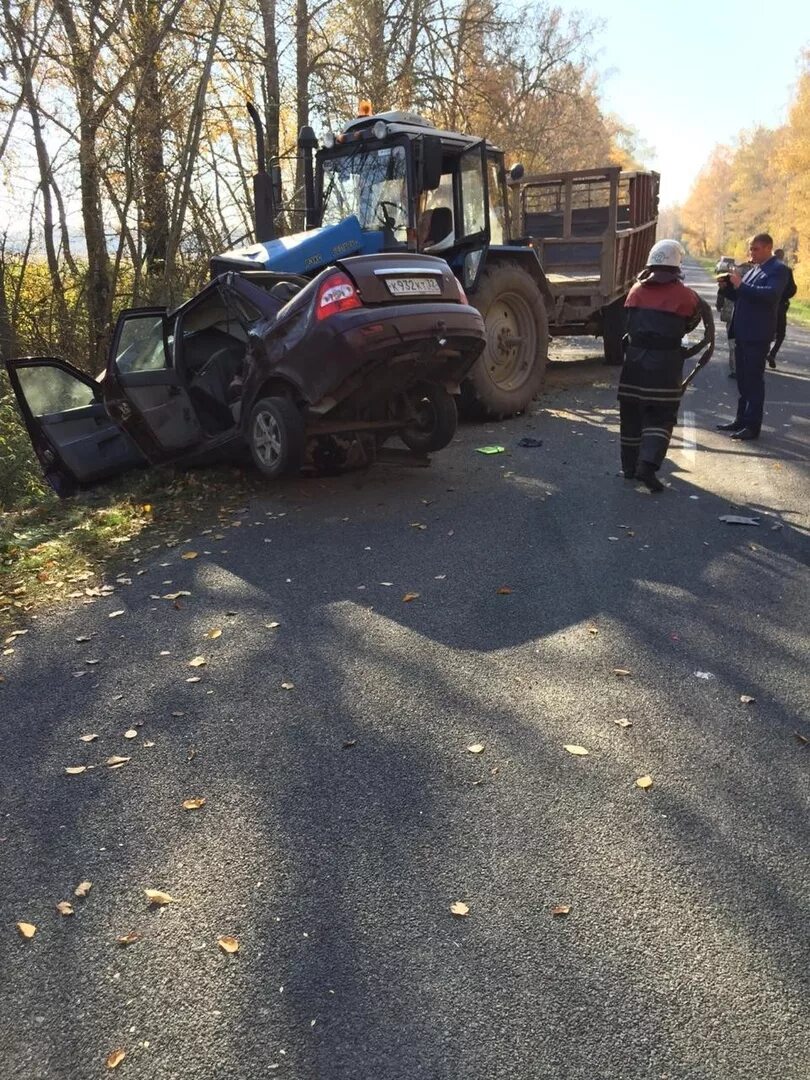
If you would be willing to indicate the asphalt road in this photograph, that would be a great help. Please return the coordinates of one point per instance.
(344, 816)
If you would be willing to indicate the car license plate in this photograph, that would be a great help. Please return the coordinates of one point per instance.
(413, 286)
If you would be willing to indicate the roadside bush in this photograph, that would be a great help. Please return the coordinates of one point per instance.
(21, 481)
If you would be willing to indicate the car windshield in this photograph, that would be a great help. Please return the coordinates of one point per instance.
(371, 185)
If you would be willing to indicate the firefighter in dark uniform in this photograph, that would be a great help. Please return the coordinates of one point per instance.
(660, 310)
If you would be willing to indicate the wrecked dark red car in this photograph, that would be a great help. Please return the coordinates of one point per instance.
(315, 374)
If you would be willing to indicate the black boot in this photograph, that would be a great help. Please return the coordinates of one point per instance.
(646, 474)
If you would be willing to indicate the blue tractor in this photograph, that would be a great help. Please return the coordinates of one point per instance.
(392, 182)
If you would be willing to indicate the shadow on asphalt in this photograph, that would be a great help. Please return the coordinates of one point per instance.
(345, 858)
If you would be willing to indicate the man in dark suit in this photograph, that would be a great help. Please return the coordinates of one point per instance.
(781, 314)
(753, 326)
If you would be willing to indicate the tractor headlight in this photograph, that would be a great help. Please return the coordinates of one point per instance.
(380, 129)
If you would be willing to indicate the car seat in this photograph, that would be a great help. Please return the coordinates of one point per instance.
(440, 234)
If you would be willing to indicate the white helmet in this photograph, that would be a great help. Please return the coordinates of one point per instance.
(666, 253)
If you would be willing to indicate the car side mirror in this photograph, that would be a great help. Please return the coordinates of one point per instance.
(517, 172)
(431, 162)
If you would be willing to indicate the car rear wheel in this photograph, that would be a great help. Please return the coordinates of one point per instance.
(276, 436)
(435, 419)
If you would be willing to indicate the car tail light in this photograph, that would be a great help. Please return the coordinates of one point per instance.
(461, 294)
(336, 293)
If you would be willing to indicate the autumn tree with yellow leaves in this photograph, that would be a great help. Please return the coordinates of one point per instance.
(760, 184)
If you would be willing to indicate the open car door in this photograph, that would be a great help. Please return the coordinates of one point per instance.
(143, 391)
(76, 441)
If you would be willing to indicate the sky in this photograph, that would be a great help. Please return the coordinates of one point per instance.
(689, 74)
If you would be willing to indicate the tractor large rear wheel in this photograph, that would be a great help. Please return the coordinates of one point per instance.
(510, 371)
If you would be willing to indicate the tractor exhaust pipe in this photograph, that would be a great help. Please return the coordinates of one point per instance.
(266, 186)
(306, 144)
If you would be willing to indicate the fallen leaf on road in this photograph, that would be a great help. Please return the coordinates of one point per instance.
(593, 630)
(704, 675)
(74, 770)
(228, 944)
(459, 909)
(84, 637)
(620, 671)
(561, 909)
(27, 929)
(213, 634)
(193, 678)
(198, 661)
(734, 519)
(189, 555)
(288, 686)
(504, 591)
(194, 804)
(349, 743)
(490, 449)
(115, 614)
(115, 1057)
(116, 761)
(128, 939)
(131, 734)
(148, 743)
(476, 748)
(644, 782)
(410, 596)
(271, 625)
(746, 699)
(577, 751)
(83, 888)
(155, 896)
(176, 595)
(64, 907)
(622, 721)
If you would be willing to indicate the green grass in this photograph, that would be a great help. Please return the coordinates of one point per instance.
(799, 313)
(59, 549)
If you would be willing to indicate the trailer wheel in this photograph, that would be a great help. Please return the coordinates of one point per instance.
(435, 421)
(613, 322)
(510, 371)
(276, 436)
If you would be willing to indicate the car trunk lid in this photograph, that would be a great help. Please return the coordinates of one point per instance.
(401, 277)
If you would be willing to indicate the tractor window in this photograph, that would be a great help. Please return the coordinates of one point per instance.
(497, 216)
(472, 193)
(372, 185)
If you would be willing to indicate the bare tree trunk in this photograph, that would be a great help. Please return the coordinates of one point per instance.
(271, 79)
(302, 103)
(190, 151)
(149, 125)
(8, 339)
(98, 286)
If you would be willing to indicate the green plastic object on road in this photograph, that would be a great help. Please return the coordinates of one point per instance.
(490, 449)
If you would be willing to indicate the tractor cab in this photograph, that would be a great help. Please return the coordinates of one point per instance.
(413, 187)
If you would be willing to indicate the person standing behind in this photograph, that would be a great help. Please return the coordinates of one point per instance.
(660, 310)
(782, 310)
(753, 326)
